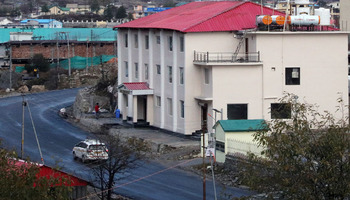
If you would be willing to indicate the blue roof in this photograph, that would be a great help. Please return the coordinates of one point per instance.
(41, 21)
(243, 125)
(80, 34)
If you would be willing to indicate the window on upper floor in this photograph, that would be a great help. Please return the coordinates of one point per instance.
(292, 76)
(170, 74)
(146, 42)
(158, 69)
(146, 71)
(136, 70)
(126, 40)
(182, 44)
(136, 41)
(158, 39)
(170, 43)
(281, 111)
(237, 111)
(181, 74)
(206, 75)
(126, 69)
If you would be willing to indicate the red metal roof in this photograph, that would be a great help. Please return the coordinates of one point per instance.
(136, 86)
(204, 17)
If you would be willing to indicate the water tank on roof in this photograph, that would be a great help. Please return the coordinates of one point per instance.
(302, 2)
(264, 20)
(304, 20)
(278, 19)
(325, 16)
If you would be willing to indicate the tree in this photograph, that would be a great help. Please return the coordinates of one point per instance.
(130, 16)
(169, 3)
(94, 6)
(307, 157)
(45, 8)
(22, 182)
(41, 63)
(124, 154)
(110, 12)
(121, 13)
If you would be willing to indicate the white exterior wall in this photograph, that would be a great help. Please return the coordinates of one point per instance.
(322, 58)
(194, 75)
(344, 22)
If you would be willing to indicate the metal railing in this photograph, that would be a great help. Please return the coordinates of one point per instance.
(225, 57)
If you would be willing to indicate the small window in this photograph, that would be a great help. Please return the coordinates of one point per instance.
(136, 70)
(158, 69)
(170, 74)
(136, 41)
(126, 69)
(170, 106)
(182, 109)
(182, 44)
(237, 111)
(146, 71)
(126, 40)
(206, 75)
(146, 42)
(158, 39)
(158, 101)
(127, 102)
(181, 75)
(293, 76)
(220, 146)
(170, 40)
(281, 111)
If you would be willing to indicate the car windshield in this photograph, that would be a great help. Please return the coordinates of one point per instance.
(97, 147)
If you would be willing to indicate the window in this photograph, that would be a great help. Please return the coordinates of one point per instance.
(206, 75)
(220, 146)
(158, 69)
(146, 71)
(136, 41)
(170, 106)
(136, 70)
(181, 75)
(146, 42)
(126, 40)
(182, 44)
(237, 111)
(127, 102)
(170, 40)
(182, 109)
(158, 101)
(293, 76)
(170, 74)
(158, 39)
(281, 111)
(126, 69)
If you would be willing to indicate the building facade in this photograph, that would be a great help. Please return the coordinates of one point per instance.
(194, 73)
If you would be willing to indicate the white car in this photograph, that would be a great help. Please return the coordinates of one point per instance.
(90, 149)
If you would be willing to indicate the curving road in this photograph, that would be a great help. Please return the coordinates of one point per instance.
(57, 137)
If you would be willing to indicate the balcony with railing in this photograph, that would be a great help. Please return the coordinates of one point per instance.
(226, 58)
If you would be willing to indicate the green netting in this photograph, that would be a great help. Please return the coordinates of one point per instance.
(19, 69)
(78, 62)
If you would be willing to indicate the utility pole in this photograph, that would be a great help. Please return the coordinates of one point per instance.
(10, 67)
(204, 167)
(24, 103)
(91, 46)
(69, 64)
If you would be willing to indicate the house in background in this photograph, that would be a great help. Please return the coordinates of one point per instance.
(236, 137)
(58, 10)
(5, 21)
(78, 8)
(204, 56)
(42, 23)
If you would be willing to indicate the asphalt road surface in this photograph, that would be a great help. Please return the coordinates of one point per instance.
(57, 137)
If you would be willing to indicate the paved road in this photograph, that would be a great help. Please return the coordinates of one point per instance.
(57, 137)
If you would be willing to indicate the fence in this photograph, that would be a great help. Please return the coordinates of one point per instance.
(237, 147)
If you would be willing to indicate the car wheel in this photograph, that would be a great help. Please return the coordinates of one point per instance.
(74, 156)
(83, 159)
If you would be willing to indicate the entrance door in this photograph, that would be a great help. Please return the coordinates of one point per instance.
(204, 118)
(141, 108)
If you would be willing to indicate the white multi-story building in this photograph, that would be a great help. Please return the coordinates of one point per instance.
(179, 67)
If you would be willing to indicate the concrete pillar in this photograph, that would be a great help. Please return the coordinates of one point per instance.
(150, 109)
(134, 105)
